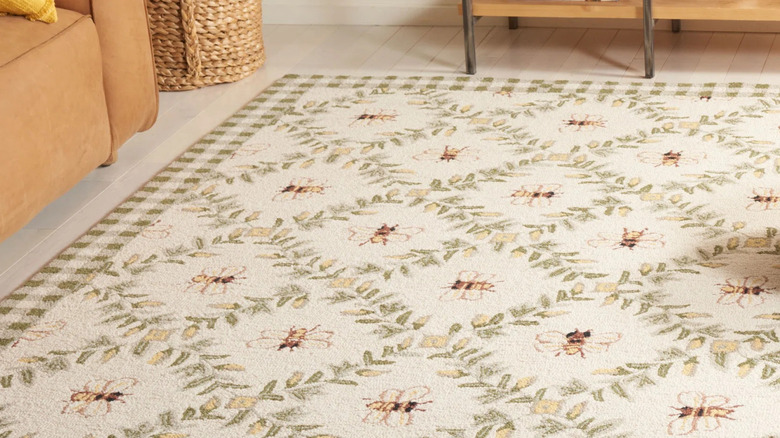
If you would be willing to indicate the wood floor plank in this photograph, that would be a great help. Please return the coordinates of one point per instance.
(553, 54)
(327, 55)
(665, 42)
(494, 46)
(770, 73)
(748, 62)
(617, 59)
(681, 64)
(524, 48)
(718, 55)
(394, 49)
(586, 54)
(374, 38)
(426, 49)
(452, 58)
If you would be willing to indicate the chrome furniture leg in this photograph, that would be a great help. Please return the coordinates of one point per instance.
(514, 23)
(468, 36)
(648, 23)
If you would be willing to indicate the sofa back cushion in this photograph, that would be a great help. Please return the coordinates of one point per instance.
(19, 36)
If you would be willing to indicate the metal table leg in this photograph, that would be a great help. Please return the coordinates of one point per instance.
(468, 35)
(676, 25)
(513, 23)
(648, 23)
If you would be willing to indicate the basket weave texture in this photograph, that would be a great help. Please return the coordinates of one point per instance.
(205, 42)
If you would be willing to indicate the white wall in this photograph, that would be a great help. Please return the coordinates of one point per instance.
(444, 13)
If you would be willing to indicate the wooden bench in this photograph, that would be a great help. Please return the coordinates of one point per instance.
(647, 10)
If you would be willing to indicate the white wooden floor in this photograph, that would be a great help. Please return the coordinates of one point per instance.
(529, 53)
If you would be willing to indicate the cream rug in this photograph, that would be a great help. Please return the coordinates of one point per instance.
(425, 257)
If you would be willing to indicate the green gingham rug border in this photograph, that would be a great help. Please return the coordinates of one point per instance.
(73, 269)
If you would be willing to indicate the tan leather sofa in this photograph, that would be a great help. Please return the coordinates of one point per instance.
(71, 93)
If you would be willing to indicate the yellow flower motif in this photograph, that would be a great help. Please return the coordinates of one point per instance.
(524, 382)
(724, 346)
(504, 237)
(157, 335)
(546, 407)
(576, 411)
(260, 232)
(434, 341)
(652, 196)
(695, 343)
(480, 320)
(606, 287)
(689, 125)
(418, 193)
(295, 379)
(558, 157)
(479, 121)
(242, 402)
(342, 151)
(758, 242)
(342, 282)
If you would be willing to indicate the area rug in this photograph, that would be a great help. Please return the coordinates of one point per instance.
(425, 257)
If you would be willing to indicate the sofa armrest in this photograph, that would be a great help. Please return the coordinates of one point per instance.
(129, 75)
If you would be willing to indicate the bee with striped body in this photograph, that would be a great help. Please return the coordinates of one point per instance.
(700, 412)
(536, 195)
(670, 158)
(41, 331)
(293, 338)
(583, 122)
(575, 342)
(382, 234)
(470, 285)
(748, 292)
(215, 281)
(369, 118)
(764, 199)
(629, 239)
(157, 231)
(447, 155)
(395, 407)
(248, 150)
(301, 188)
(96, 398)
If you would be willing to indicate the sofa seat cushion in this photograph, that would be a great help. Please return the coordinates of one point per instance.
(19, 35)
(53, 115)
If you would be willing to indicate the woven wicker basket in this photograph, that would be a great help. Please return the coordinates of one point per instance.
(205, 42)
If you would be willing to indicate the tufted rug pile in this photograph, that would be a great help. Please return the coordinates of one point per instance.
(425, 257)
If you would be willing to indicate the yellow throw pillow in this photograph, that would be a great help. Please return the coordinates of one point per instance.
(42, 10)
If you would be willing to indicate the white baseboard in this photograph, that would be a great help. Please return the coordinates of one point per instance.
(444, 13)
